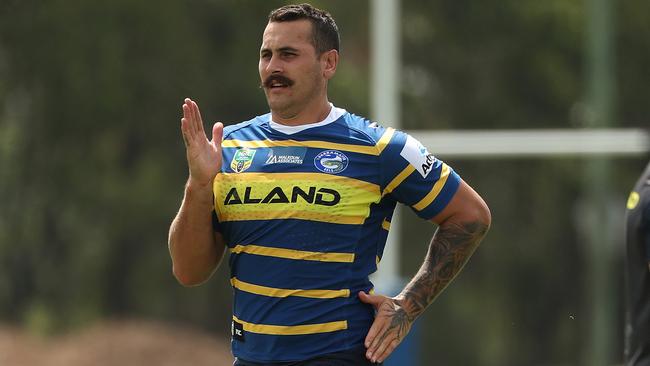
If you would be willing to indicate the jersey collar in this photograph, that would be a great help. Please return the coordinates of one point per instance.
(335, 113)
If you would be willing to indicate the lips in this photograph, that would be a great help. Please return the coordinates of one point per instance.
(277, 81)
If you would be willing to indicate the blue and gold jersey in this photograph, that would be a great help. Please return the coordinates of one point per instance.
(305, 212)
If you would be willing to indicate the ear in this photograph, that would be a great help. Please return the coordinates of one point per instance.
(329, 62)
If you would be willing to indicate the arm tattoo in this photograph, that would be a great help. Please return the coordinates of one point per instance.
(450, 248)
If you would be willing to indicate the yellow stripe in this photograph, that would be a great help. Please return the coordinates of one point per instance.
(385, 139)
(291, 178)
(368, 150)
(398, 179)
(294, 254)
(426, 201)
(385, 224)
(355, 196)
(377, 259)
(300, 215)
(293, 329)
(281, 292)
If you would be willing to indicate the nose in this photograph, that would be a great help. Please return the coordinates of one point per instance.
(274, 65)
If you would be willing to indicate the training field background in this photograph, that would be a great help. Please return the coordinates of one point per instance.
(92, 168)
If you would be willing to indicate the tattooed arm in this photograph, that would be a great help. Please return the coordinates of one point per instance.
(462, 225)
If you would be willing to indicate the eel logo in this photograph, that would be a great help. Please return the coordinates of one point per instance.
(331, 161)
(242, 160)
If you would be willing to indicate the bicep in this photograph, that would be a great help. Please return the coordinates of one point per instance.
(465, 206)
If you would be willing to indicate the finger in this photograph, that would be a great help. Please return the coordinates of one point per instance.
(184, 131)
(197, 118)
(374, 300)
(384, 343)
(188, 134)
(379, 323)
(190, 108)
(217, 134)
(197, 123)
(187, 113)
(185, 110)
(381, 335)
(377, 328)
(187, 116)
(389, 350)
(372, 333)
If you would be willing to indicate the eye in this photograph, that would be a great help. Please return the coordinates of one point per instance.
(265, 55)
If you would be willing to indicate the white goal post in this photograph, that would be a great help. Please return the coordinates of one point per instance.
(478, 144)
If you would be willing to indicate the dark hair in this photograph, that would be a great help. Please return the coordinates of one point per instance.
(325, 33)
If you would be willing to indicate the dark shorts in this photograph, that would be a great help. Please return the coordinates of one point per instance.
(347, 358)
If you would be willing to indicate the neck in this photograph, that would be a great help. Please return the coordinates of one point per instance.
(311, 113)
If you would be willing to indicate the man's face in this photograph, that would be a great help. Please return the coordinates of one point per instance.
(290, 71)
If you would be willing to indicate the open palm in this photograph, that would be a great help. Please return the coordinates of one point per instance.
(203, 156)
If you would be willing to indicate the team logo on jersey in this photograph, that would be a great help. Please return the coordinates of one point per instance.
(418, 156)
(286, 155)
(242, 160)
(331, 161)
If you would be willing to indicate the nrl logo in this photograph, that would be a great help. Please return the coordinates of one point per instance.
(242, 160)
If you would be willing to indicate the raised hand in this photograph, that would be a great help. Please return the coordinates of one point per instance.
(203, 156)
(391, 325)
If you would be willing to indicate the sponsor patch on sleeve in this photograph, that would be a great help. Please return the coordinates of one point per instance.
(418, 156)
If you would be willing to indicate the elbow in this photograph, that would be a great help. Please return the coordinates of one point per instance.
(483, 220)
(484, 216)
(187, 278)
(476, 220)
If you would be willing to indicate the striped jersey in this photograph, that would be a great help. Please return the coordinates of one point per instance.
(305, 213)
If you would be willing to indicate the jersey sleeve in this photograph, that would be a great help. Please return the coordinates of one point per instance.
(413, 176)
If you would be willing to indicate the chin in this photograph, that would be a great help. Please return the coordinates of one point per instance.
(279, 106)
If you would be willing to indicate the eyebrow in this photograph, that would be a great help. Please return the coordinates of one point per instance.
(281, 49)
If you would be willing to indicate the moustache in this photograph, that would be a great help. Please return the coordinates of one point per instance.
(276, 78)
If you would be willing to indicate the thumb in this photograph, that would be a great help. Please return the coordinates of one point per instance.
(374, 300)
(217, 134)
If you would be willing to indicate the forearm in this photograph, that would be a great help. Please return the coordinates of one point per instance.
(449, 250)
(193, 247)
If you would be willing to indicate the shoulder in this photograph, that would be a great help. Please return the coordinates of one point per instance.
(372, 133)
(253, 123)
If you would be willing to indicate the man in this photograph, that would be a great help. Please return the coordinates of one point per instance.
(637, 237)
(302, 198)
